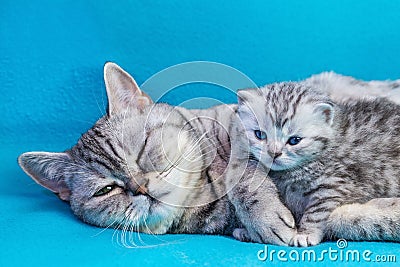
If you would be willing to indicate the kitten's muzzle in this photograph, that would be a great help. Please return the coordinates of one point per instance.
(274, 150)
(274, 155)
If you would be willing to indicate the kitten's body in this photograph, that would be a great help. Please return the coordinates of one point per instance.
(347, 153)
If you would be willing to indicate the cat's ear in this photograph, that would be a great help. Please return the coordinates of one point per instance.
(122, 91)
(47, 169)
(325, 111)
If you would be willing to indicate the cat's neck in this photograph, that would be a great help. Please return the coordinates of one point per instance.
(212, 213)
(214, 124)
(217, 217)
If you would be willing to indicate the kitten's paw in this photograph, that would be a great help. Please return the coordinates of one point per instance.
(303, 239)
(278, 228)
(241, 234)
(284, 228)
(286, 217)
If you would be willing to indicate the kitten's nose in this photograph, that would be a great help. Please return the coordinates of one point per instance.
(274, 149)
(274, 154)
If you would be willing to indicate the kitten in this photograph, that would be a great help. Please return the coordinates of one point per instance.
(335, 164)
(153, 168)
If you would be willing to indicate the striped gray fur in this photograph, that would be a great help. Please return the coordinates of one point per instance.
(340, 87)
(159, 169)
(347, 160)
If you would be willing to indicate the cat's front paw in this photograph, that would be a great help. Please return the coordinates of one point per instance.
(306, 239)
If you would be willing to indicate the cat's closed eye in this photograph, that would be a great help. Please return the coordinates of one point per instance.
(105, 190)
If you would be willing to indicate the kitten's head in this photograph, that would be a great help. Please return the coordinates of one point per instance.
(287, 124)
(134, 168)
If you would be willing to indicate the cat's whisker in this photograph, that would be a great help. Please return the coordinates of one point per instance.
(191, 149)
(117, 231)
(120, 232)
(124, 233)
(103, 107)
(111, 224)
(212, 149)
(153, 235)
(139, 237)
(128, 239)
(130, 235)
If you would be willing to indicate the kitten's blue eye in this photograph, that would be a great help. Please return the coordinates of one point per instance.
(294, 140)
(260, 134)
(104, 190)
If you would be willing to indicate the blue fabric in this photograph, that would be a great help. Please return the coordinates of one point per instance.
(52, 54)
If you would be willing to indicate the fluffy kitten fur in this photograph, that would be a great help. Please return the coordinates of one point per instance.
(153, 168)
(336, 165)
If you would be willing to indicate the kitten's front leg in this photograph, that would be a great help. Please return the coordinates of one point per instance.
(258, 207)
(312, 227)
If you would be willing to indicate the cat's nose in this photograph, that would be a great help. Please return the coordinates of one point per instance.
(137, 189)
(141, 190)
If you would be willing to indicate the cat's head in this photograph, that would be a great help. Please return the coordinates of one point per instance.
(134, 168)
(287, 124)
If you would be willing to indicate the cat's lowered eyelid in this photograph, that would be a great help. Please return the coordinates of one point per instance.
(107, 190)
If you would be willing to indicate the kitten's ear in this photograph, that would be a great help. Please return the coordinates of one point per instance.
(47, 170)
(244, 95)
(325, 111)
(122, 90)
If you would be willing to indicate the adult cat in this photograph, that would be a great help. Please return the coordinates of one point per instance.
(153, 168)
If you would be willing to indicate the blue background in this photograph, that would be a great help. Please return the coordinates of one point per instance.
(52, 54)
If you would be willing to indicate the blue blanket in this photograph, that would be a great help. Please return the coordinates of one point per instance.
(51, 59)
(37, 229)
